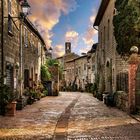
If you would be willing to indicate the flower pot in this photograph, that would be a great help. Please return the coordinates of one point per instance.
(11, 109)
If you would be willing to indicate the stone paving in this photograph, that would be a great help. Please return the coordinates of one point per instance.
(70, 116)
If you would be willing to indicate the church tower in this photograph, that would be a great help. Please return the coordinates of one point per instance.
(67, 47)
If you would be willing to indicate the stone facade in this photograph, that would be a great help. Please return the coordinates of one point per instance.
(110, 62)
(24, 48)
(11, 43)
(76, 72)
(0, 34)
(32, 54)
(111, 69)
(68, 56)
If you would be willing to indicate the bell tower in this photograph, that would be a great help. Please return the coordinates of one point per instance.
(67, 47)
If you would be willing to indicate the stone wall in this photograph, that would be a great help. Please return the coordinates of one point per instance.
(110, 62)
(31, 58)
(121, 100)
(11, 44)
(107, 47)
(32, 54)
(70, 72)
(0, 34)
(82, 69)
(77, 72)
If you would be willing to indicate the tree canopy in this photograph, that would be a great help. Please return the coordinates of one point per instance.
(127, 25)
(46, 73)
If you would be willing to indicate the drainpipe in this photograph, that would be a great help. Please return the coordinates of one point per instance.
(21, 58)
(2, 48)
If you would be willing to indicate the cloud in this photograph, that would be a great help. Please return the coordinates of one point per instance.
(92, 19)
(88, 36)
(85, 50)
(58, 50)
(73, 37)
(46, 13)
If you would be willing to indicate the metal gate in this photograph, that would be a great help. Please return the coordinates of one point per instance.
(137, 97)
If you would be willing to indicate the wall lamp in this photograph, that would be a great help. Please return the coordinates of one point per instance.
(25, 7)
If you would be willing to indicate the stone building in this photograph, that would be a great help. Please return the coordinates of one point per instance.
(10, 42)
(76, 72)
(111, 70)
(22, 48)
(80, 71)
(91, 64)
(33, 48)
(63, 59)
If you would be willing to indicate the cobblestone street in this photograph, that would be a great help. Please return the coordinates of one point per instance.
(70, 116)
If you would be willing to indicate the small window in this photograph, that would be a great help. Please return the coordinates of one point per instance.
(10, 30)
(25, 38)
(108, 35)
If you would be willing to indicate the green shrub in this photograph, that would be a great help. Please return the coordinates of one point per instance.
(45, 92)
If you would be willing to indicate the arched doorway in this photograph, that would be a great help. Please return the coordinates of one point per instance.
(137, 97)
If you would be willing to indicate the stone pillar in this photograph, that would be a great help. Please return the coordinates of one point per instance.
(55, 79)
(133, 65)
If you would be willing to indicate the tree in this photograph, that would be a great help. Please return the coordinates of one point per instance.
(46, 73)
(127, 25)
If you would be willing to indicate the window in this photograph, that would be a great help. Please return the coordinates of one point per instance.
(122, 81)
(108, 29)
(25, 38)
(9, 19)
(31, 40)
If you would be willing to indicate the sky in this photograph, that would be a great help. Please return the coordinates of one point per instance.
(59, 21)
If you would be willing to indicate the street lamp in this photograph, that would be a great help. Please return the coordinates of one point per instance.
(50, 52)
(25, 9)
(50, 49)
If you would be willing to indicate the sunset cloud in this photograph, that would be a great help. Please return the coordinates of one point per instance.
(46, 13)
(92, 19)
(58, 50)
(88, 36)
(85, 50)
(73, 37)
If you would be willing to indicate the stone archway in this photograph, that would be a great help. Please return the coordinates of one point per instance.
(137, 91)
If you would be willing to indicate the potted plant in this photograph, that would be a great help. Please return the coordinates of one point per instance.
(7, 100)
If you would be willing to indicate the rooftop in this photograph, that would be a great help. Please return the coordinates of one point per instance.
(101, 12)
